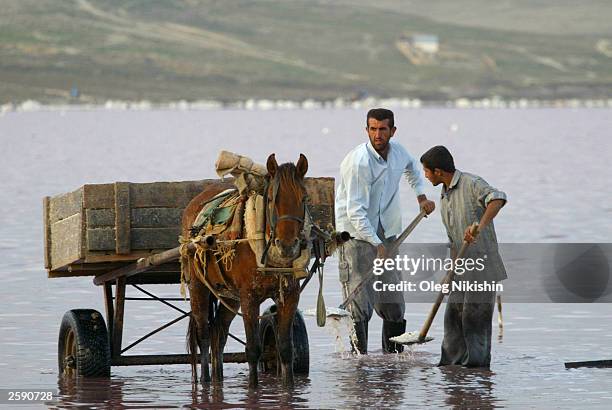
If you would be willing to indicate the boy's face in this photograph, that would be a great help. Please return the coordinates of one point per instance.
(432, 176)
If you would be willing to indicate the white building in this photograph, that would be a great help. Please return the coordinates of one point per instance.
(427, 43)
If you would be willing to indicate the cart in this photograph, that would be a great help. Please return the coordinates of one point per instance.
(126, 235)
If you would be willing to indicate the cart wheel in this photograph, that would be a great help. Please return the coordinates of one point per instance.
(267, 334)
(83, 347)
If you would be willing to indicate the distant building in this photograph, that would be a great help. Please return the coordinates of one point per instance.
(427, 43)
(74, 92)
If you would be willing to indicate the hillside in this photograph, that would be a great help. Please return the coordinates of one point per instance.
(228, 50)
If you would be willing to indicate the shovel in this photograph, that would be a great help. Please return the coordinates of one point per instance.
(410, 338)
(341, 311)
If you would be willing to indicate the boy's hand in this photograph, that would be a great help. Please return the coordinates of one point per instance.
(468, 236)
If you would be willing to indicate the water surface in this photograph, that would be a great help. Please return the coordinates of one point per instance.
(552, 163)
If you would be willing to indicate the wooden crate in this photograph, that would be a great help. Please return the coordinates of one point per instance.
(98, 227)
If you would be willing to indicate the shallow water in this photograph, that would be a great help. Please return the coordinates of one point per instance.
(552, 163)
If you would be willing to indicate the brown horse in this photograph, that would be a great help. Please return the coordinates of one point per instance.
(209, 323)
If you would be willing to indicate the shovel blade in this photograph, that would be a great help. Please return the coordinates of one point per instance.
(321, 312)
(410, 338)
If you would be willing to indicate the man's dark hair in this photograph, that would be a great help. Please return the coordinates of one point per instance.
(438, 157)
(381, 114)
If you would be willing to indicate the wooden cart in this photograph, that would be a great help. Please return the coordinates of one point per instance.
(126, 234)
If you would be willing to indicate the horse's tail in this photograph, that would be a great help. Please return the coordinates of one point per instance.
(192, 347)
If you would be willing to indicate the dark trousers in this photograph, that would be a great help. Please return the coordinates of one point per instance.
(467, 329)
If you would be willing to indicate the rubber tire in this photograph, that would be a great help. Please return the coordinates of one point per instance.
(93, 356)
(267, 335)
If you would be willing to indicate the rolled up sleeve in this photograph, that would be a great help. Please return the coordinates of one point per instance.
(486, 193)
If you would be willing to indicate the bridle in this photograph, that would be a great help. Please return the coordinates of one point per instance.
(271, 217)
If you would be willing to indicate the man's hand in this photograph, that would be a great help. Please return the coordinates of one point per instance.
(467, 235)
(427, 206)
(381, 251)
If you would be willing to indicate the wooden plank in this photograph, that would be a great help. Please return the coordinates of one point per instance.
(146, 264)
(111, 256)
(108, 306)
(98, 218)
(96, 196)
(65, 241)
(103, 239)
(323, 216)
(117, 334)
(65, 205)
(166, 194)
(47, 232)
(146, 195)
(122, 218)
(167, 273)
(80, 266)
(168, 359)
(156, 278)
(155, 238)
(139, 218)
(320, 190)
(54, 274)
(590, 363)
(178, 194)
(156, 217)
(321, 201)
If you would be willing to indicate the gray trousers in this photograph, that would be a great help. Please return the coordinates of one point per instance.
(356, 263)
(467, 329)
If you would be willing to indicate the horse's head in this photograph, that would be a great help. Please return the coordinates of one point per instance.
(286, 197)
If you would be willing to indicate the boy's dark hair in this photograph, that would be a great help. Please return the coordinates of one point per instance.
(381, 114)
(438, 157)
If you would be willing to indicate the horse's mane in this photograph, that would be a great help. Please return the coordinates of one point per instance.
(286, 173)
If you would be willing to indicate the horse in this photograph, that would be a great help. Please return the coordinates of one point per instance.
(209, 323)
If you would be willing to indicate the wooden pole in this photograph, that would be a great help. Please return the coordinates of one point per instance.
(394, 246)
(145, 264)
(447, 279)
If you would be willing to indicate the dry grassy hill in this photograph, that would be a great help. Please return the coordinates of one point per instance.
(227, 50)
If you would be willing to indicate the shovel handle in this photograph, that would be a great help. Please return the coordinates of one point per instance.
(392, 248)
(447, 279)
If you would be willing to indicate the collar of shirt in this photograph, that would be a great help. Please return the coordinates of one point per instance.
(375, 154)
(452, 184)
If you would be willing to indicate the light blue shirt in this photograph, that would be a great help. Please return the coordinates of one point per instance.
(368, 192)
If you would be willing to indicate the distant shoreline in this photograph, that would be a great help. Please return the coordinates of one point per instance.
(309, 104)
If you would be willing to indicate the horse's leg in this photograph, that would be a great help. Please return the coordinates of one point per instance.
(284, 336)
(200, 332)
(250, 315)
(220, 330)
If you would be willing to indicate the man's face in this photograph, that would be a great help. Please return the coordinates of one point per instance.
(432, 176)
(379, 133)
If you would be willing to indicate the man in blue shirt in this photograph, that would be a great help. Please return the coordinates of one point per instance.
(368, 207)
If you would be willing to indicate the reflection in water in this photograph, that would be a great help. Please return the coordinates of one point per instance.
(159, 391)
(82, 393)
(468, 388)
(375, 380)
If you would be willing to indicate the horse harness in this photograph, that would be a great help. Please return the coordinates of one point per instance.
(272, 219)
